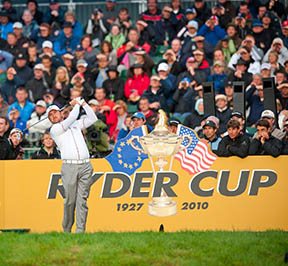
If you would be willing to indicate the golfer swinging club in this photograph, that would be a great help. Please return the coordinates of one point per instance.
(76, 168)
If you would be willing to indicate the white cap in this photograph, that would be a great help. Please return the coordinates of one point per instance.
(39, 66)
(193, 24)
(93, 102)
(220, 97)
(41, 103)
(82, 62)
(16, 130)
(18, 25)
(47, 44)
(163, 67)
(265, 66)
(267, 114)
(52, 107)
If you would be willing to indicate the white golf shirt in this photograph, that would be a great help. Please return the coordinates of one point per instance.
(68, 136)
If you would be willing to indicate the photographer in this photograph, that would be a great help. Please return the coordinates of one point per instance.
(96, 28)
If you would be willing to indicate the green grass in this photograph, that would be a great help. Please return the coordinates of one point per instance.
(147, 248)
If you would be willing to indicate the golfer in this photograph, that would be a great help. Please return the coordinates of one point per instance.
(76, 168)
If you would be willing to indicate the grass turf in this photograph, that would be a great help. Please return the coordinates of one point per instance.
(147, 248)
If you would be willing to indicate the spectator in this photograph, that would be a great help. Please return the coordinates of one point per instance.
(235, 143)
(229, 92)
(10, 10)
(89, 51)
(5, 26)
(202, 63)
(22, 104)
(54, 16)
(138, 120)
(101, 72)
(269, 116)
(152, 14)
(115, 37)
(202, 10)
(9, 87)
(277, 46)
(32, 6)
(12, 46)
(210, 134)
(136, 84)
(4, 126)
(156, 96)
(124, 21)
(68, 64)
(174, 66)
(212, 31)
(218, 77)
(262, 38)
(15, 120)
(43, 34)
(141, 57)
(194, 119)
(37, 85)
(264, 142)
(32, 55)
(47, 48)
(241, 73)
(23, 71)
(283, 97)
(29, 25)
(22, 41)
(106, 49)
(66, 41)
(11, 149)
(110, 13)
(121, 110)
(76, 25)
(82, 67)
(222, 112)
(49, 70)
(61, 83)
(114, 85)
(48, 149)
(284, 31)
(144, 107)
(173, 125)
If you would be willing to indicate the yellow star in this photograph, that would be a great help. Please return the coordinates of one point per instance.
(122, 144)
(125, 165)
(119, 149)
(130, 166)
(120, 162)
(128, 141)
(139, 159)
(119, 155)
(135, 164)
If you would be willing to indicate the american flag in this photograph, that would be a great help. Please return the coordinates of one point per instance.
(197, 157)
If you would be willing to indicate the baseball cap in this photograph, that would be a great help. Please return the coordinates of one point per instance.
(79, 48)
(220, 97)
(265, 66)
(190, 11)
(285, 24)
(267, 114)
(163, 67)
(17, 25)
(39, 67)
(16, 130)
(41, 103)
(93, 102)
(155, 77)
(52, 108)
(210, 124)
(47, 44)
(140, 51)
(67, 24)
(257, 23)
(237, 113)
(192, 24)
(218, 63)
(139, 115)
(82, 62)
(21, 56)
(229, 83)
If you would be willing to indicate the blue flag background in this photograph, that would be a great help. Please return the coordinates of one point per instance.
(124, 157)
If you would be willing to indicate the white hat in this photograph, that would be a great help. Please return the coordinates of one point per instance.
(16, 130)
(52, 107)
(47, 44)
(267, 114)
(17, 25)
(220, 97)
(82, 62)
(192, 24)
(41, 103)
(265, 66)
(163, 67)
(39, 66)
(93, 102)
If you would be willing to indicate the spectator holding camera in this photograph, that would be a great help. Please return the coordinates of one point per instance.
(278, 47)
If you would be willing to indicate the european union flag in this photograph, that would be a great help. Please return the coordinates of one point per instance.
(124, 157)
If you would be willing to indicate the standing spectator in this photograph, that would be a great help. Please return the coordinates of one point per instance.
(110, 13)
(66, 41)
(202, 10)
(124, 21)
(284, 31)
(235, 143)
(37, 85)
(48, 149)
(264, 142)
(22, 104)
(10, 10)
(76, 25)
(32, 6)
(54, 16)
(29, 25)
(114, 85)
(5, 26)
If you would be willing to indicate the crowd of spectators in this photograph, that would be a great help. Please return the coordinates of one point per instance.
(123, 67)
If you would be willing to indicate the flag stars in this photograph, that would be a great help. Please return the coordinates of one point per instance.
(139, 159)
(135, 164)
(120, 162)
(130, 166)
(119, 155)
(122, 144)
(125, 165)
(119, 149)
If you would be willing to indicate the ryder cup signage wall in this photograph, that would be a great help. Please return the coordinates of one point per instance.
(150, 180)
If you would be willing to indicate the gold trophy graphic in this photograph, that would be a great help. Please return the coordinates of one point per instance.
(160, 145)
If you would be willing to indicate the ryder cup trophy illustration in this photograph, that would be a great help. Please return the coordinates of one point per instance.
(160, 146)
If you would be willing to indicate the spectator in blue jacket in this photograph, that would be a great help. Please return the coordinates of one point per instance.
(6, 60)
(211, 30)
(218, 77)
(5, 26)
(66, 42)
(76, 25)
(29, 25)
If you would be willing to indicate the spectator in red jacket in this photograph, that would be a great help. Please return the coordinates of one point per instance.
(137, 84)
